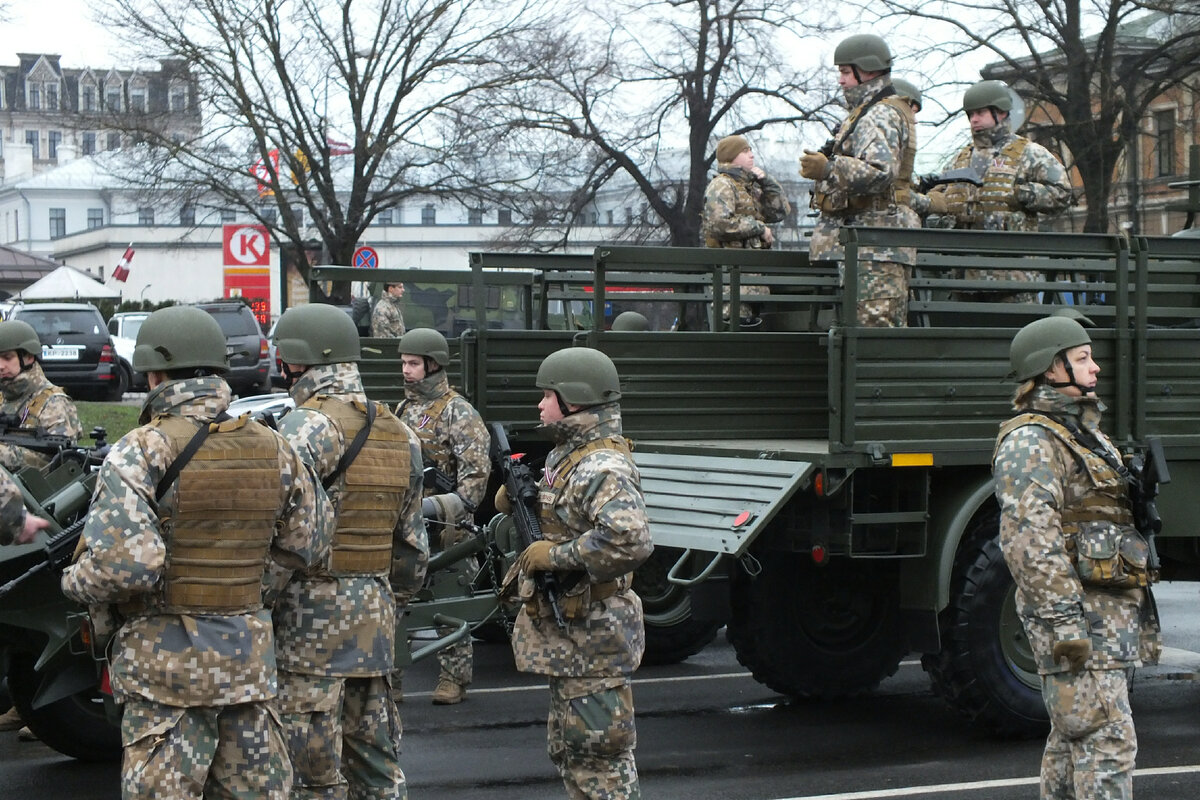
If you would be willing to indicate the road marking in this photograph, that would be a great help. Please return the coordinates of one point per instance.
(976, 786)
(636, 681)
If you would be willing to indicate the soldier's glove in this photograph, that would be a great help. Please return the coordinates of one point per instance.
(536, 557)
(814, 166)
(503, 504)
(937, 203)
(1076, 652)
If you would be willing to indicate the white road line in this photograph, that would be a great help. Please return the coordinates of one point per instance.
(636, 681)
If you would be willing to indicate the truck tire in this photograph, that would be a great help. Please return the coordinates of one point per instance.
(985, 669)
(672, 633)
(817, 631)
(75, 726)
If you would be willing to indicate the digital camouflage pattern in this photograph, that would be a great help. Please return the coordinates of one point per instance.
(863, 171)
(457, 441)
(1092, 746)
(12, 509)
(591, 737)
(57, 415)
(738, 207)
(387, 320)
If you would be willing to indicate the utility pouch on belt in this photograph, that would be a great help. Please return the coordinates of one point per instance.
(1110, 557)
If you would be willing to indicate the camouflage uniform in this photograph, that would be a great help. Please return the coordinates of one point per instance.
(12, 509)
(387, 321)
(37, 403)
(866, 170)
(454, 439)
(1023, 183)
(335, 634)
(1055, 501)
(196, 686)
(597, 509)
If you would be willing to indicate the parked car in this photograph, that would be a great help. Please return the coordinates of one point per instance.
(249, 351)
(124, 327)
(77, 352)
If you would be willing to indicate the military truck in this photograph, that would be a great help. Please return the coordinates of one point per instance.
(823, 489)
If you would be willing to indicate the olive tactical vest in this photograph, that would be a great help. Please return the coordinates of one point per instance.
(369, 503)
(39, 401)
(903, 182)
(999, 186)
(432, 449)
(551, 488)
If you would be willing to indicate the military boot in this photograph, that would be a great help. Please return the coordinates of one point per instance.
(448, 692)
(11, 720)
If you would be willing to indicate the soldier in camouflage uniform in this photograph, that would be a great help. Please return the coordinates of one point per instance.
(858, 178)
(16, 524)
(455, 441)
(34, 401)
(1080, 565)
(1023, 184)
(194, 514)
(740, 202)
(336, 626)
(387, 319)
(593, 518)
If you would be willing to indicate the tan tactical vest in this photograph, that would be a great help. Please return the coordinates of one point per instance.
(746, 205)
(433, 450)
(903, 183)
(369, 504)
(38, 402)
(998, 190)
(226, 506)
(550, 489)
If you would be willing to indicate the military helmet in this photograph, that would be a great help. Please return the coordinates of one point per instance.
(907, 91)
(316, 333)
(581, 376)
(18, 335)
(865, 51)
(630, 321)
(425, 342)
(180, 337)
(1035, 346)
(988, 94)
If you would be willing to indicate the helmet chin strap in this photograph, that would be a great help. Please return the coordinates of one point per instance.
(1070, 376)
(291, 374)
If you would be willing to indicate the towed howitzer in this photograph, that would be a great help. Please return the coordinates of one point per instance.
(971, 175)
(1147, 471)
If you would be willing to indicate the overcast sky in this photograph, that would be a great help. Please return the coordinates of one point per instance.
(55, 26)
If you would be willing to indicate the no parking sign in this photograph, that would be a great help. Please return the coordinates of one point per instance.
(366, 258)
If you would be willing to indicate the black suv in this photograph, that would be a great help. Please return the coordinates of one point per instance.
(249, 351)
(77, 352)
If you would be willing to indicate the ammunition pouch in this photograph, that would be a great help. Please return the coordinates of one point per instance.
(1107, 556)
(578, 602)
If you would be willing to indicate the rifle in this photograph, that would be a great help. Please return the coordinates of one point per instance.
(969, 175)
(1147, 471)
(522, 493)
(60, 549)
(36, 439)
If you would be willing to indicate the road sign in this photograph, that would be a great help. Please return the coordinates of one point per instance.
(246, 246)
(366, 258)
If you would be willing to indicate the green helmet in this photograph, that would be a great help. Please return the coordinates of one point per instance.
(1035, 346)
(907, 91)
(180, 337)
(17, 335)
(865, 51)
(316, 334)
(630, 321)
(425, 342)
(988, 94)
(581, 376)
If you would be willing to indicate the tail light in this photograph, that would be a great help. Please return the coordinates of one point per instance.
(106, 357)
(264, 348)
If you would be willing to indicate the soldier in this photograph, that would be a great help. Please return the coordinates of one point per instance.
(194, 513)
(30, 399)
(918, 202)
(857, 179)
(336, 627)
(1080, 565)
(387, 319)
(739, 203)
(1023, 183)
(455, 441)
(593, 518)
(16, 524)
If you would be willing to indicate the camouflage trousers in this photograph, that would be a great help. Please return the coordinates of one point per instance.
(1091, 749)
(343, 735)
(882, 294)
(222, 752)
(984, 296)
(590, 737)
(746, 310)
(456, 660)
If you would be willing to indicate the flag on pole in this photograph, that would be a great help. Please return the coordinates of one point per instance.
(262, 170)
(121, 270)
(337, 148)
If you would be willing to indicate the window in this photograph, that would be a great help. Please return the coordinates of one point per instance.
(95, 218)
(89, 144)
(628, 215)
(475, 216)
(227, 215)
(112, 98)
(298, 215)
(87, 98)
(608, 215)
(1164, 145)
(52, 96)
(32, 139)
(145, 215)
(58, 222)
(504, 216)
(35, 96)
(384, 217)
(187, 214)
(55, 139)
(178, 98)
(268, 215)
(137, 100)
(114, 141)
(429, 215)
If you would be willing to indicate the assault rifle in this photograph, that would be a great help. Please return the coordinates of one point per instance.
(60, 549)
(969, 175)
(13, 432)
(1147, 471)
(522, 494)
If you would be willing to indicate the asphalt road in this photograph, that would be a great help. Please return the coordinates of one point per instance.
(708, 730)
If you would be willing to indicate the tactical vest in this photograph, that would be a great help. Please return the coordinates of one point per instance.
(1098, 528)
(873, 202)
(38, 402)
(432, 449)
(369, 504)
(226, 505)
(998, 192)
(551, 489)
(747, 205)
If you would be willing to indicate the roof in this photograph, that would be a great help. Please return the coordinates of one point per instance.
(18, 266)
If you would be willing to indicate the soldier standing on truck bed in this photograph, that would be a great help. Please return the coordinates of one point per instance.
(1080, 565)
(30, 400)
(194, 513)
(387, 319)
(1023, 183)
(858, 174)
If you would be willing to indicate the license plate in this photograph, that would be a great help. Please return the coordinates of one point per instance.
(61, 352)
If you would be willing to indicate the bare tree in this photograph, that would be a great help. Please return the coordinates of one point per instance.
(1094, 67)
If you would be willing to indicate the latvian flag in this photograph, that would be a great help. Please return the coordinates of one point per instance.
(121, 270)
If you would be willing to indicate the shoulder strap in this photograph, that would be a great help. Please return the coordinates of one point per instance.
(186, 454)
(353, 450)
(855, 117)
(1084, 437)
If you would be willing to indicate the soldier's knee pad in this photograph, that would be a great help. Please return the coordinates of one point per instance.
(600, 725)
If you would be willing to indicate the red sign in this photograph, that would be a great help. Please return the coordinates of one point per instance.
(255, 286)
(366, 258)
(246, 246)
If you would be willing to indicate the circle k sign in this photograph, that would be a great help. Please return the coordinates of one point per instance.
(246, 246)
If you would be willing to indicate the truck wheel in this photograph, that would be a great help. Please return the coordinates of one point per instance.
(986, 670)
(672, 634)
(75, 726)
(122, 378)
(817, 631)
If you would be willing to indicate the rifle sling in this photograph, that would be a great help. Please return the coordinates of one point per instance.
(185, 455)
(1088, 440)
(353, 450)
(887, 91)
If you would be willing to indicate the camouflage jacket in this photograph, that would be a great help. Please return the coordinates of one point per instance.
(1036, 479)
(738, 207)
(386, 318)
(456, 441)
(32, 398)
(1018, 190)
(344, 626)
(866, 165)
(12, 509)
(607, 536)
(184, 660)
